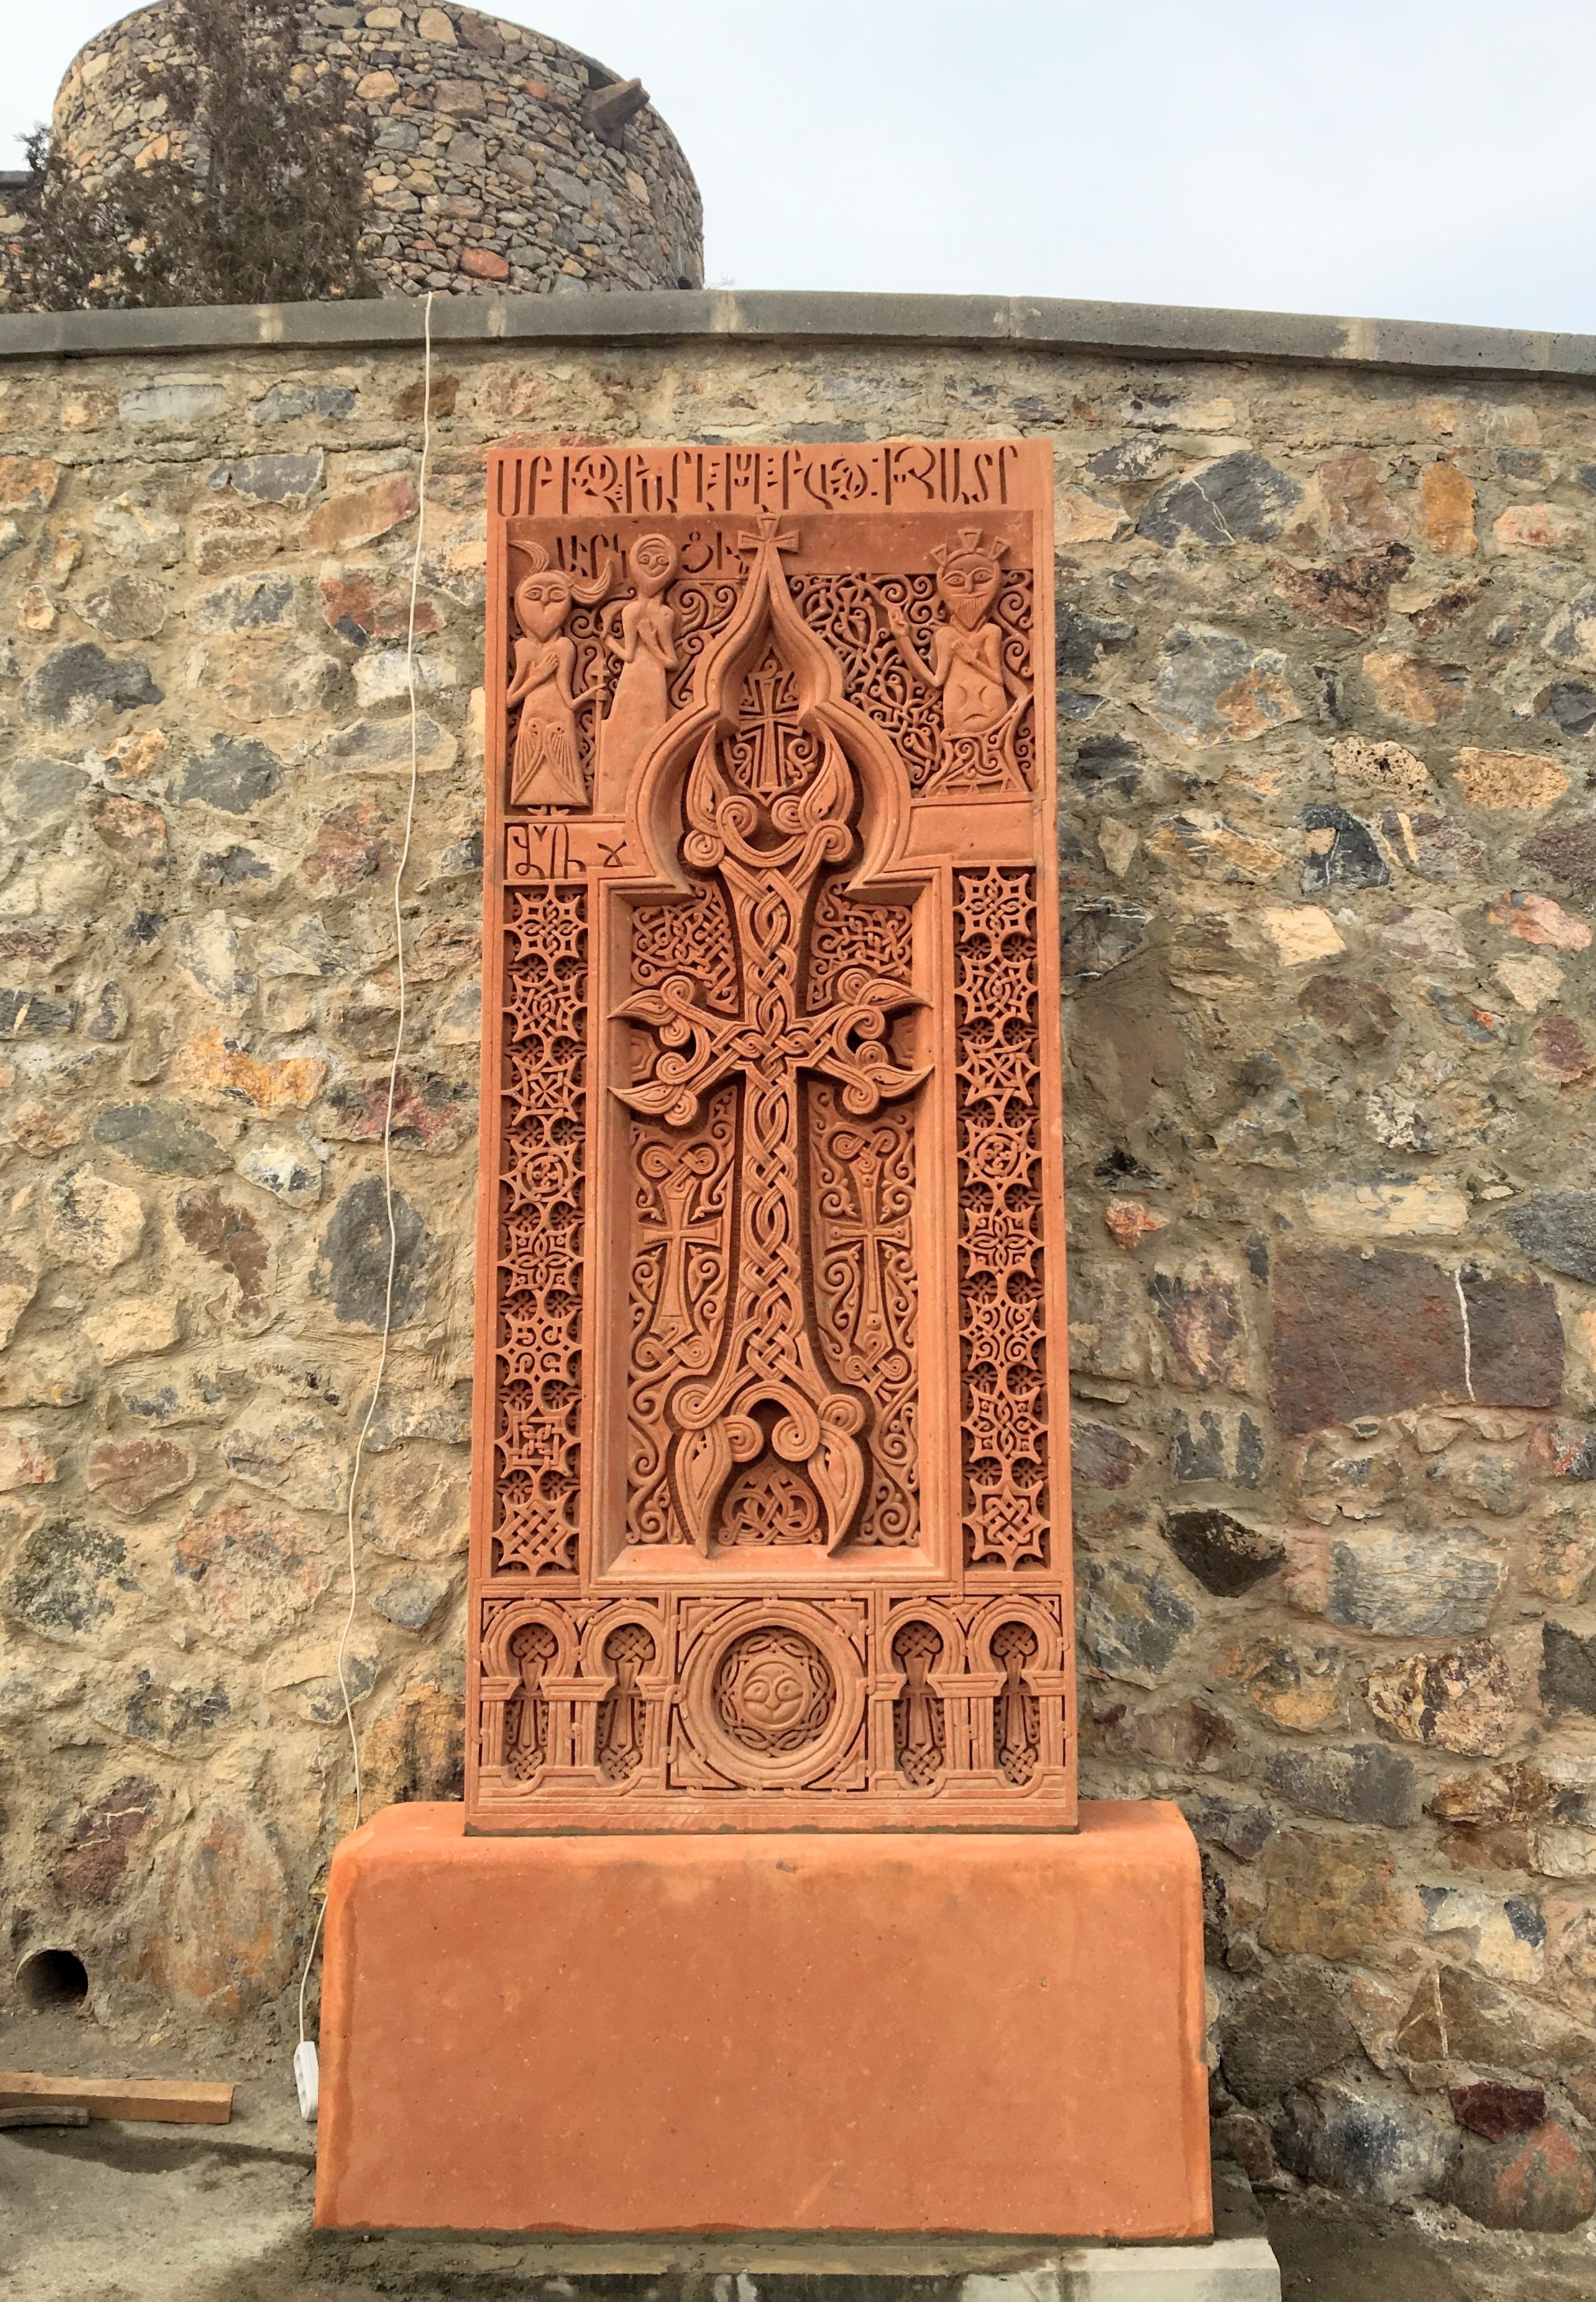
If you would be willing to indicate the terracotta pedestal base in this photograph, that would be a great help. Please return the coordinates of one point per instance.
(985, 2033)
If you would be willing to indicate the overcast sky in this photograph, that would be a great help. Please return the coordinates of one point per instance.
(1420, 159)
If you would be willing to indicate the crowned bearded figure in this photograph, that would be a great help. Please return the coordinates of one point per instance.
(981, 698)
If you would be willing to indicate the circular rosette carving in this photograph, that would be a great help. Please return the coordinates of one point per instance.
(772, 1694)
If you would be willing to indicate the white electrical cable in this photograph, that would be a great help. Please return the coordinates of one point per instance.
(304, 2056)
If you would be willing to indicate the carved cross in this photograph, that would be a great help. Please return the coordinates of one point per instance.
(767, 530)
(677, 1230)
(771, 1388)
(918, 1692)
(1013, 1725)
(768, 729)
(869, 1231)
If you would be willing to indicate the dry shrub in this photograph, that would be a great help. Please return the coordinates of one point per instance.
(259, 200)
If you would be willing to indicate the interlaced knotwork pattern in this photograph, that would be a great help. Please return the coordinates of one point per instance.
(540, 1202)
(768, 1503)
(1002, 1330)
(692, 938)
(850, 613)
(847, 933)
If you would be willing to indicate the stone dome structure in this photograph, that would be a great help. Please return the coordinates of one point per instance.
(500, 159)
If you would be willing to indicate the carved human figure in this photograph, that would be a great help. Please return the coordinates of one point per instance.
(981, 698)
(546, 766)
(646, 651)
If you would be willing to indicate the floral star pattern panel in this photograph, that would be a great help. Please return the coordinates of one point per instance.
(772, 1482)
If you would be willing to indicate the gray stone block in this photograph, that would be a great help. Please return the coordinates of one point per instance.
(1231, 2270)
(1156, 331)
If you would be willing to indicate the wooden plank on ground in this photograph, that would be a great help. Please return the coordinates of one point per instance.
(178, 2102)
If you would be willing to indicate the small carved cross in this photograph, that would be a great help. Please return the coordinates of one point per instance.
(1013, 1726)
(917, 1670)
(767, 524)
(677, 1230)
(771, 729)
(870, 1233)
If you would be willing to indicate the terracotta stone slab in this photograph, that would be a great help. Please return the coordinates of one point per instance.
(771, 1509)
(993, 2032)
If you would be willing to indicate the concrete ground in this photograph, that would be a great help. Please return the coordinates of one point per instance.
(126, 2213)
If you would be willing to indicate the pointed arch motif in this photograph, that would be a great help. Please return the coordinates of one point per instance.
(767, 617)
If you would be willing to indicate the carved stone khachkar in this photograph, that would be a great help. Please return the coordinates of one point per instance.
(770, 1774)
(772, 1510)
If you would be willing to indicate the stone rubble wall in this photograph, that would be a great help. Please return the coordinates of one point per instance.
(485, 171)
(1327, 651)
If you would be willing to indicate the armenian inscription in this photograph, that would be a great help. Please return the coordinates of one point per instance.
(770, 1523)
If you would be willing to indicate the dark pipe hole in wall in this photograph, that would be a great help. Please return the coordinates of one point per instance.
(51, 1978)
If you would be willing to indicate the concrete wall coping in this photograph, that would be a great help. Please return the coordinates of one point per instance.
(1143, 331)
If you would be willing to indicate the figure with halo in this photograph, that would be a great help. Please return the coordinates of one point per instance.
(646, 651)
